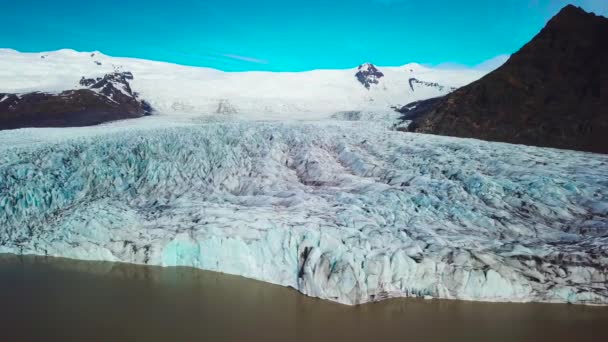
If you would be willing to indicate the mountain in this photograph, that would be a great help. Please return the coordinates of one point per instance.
(101, 99)
(367, 74)
(553, 92)
(198, 92)
(345, 208)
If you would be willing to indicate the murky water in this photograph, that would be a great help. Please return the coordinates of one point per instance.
(44, 299)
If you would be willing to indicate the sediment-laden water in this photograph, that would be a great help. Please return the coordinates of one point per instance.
(60, 299)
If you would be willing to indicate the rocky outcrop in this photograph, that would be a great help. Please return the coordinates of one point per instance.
(225, 107)
(416, 110)
(414, 81)
(101, 100)
(368, 74)
(553, 92)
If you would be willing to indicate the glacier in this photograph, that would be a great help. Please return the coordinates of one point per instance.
(342, 209)
(177, 90)
(301, 179)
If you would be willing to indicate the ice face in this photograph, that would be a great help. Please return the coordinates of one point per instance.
(346, 211)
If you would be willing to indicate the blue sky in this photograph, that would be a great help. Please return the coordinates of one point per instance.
(282, 35)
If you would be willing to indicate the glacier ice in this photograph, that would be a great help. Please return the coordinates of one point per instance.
(181, 90)
(346, 211)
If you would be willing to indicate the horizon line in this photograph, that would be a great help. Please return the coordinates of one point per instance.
(487, 64)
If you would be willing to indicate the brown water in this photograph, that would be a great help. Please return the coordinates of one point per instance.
(58, 299)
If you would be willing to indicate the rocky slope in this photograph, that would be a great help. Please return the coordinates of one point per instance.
(367, 74)
(100, 100)
(553, 92)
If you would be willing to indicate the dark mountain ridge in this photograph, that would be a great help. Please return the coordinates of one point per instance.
(104, 99)
(367, 74)
(553, 92)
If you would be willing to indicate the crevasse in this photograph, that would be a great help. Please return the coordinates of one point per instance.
(346, 211)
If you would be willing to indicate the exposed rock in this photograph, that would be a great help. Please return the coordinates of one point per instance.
(105, 99)
(368, 74)
(87, 82)
(553, 92)
(413, 111)
(413, 81)
(225, 107)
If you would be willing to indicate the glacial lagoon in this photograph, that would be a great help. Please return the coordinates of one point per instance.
(62, 299)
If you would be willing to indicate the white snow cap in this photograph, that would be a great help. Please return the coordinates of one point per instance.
(366, 67)
(174, 89)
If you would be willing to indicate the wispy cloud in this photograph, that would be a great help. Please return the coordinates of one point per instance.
(211, 55)
(244, 58)
(493, 63)
(487, 65)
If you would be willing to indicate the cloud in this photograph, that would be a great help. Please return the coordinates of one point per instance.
(244, 58)
(487, 65)
(492, 63)
(211, 55)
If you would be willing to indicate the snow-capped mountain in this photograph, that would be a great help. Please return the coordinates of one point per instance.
(174, 89)
(367, 74)
(100, 99)
(334, 204)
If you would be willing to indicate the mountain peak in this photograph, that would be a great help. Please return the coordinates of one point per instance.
(552, 92)
(570, 18)
(99, 100)
(368, 74)
(572, 11)
(570, 8)
(367, 67)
